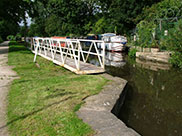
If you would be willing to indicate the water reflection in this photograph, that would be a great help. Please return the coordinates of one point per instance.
(111, 59)
(153, 102)
(152, 65)
(114, 59)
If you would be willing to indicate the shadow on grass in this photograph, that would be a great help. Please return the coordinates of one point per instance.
(18, 47)
(58, 95)
(36, 111)
(14, 47)
(16, 43)
(22, 81)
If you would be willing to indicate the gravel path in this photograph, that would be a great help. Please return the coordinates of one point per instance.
(6, 76)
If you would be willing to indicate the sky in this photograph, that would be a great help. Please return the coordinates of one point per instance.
(28, 21)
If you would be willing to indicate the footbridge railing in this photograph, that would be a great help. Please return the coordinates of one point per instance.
(72, 54)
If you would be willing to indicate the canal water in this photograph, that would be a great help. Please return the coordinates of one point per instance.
(153, 100)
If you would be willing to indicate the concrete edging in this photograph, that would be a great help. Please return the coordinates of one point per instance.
(97, 110)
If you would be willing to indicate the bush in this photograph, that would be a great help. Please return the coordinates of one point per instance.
(11, 38)
(150, 34)
(144, 32)
(176, 59)
(132, 53)
(173, 42)
(1, 40)
(18, 37)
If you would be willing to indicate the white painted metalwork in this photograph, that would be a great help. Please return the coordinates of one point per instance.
(60, 50)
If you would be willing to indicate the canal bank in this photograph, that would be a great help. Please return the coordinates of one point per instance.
(153, 102)
(97, 110)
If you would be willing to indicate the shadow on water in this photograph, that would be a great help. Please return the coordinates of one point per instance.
(151, 103)
(119, 104)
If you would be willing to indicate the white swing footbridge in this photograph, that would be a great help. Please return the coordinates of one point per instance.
(72, 54)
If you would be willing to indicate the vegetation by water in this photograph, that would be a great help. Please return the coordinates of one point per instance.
(44, 99)
(161, 27)
(132, 53)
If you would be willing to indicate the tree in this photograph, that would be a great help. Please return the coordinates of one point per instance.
(12, 12)
(61, 17)
(125, 12)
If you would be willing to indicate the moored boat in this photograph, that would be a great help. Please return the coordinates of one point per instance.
(113, 42)
(58, 37)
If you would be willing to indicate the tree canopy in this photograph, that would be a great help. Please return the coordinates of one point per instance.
(71, 17)
(12, 12)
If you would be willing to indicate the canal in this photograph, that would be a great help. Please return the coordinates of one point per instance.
(153, 100)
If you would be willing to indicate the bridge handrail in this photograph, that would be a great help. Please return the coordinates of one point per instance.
(68, 47)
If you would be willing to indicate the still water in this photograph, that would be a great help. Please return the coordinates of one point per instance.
(153, 101)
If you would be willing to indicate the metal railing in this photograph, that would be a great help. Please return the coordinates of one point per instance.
(69, 49)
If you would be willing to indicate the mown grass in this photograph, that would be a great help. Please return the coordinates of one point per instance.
(43, 101)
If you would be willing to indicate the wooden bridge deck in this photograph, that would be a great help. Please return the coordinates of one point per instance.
(85, 68)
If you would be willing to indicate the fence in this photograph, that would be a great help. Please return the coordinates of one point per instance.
(70, 53)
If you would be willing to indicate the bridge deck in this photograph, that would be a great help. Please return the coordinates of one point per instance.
(85, 68)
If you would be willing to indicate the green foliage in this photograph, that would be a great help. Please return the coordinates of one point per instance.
(11, 38)
(37, 29)
(124, 14)
(163, 9)
(12, 12)
(61, 17)
(150, 30)
(102, 26)
(145, 30)
(173, 42)
(1, 40)
(176, 59)
(8, 28)
(54, 26)
(151, 24)
(18, 37)
(132, 53)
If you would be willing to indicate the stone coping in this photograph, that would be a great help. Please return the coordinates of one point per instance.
(97, 110)
(154, 56)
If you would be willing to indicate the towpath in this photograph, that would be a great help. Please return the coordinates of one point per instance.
(6, 76)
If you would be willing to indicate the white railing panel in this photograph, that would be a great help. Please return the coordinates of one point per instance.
(72, 48)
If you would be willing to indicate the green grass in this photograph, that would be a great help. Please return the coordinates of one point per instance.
(43, 101)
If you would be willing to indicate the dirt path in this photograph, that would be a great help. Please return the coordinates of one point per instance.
(6, 76)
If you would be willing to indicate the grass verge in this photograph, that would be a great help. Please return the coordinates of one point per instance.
(43, 101)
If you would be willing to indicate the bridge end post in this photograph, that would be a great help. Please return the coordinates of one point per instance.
(79, 46)
(103, 57)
